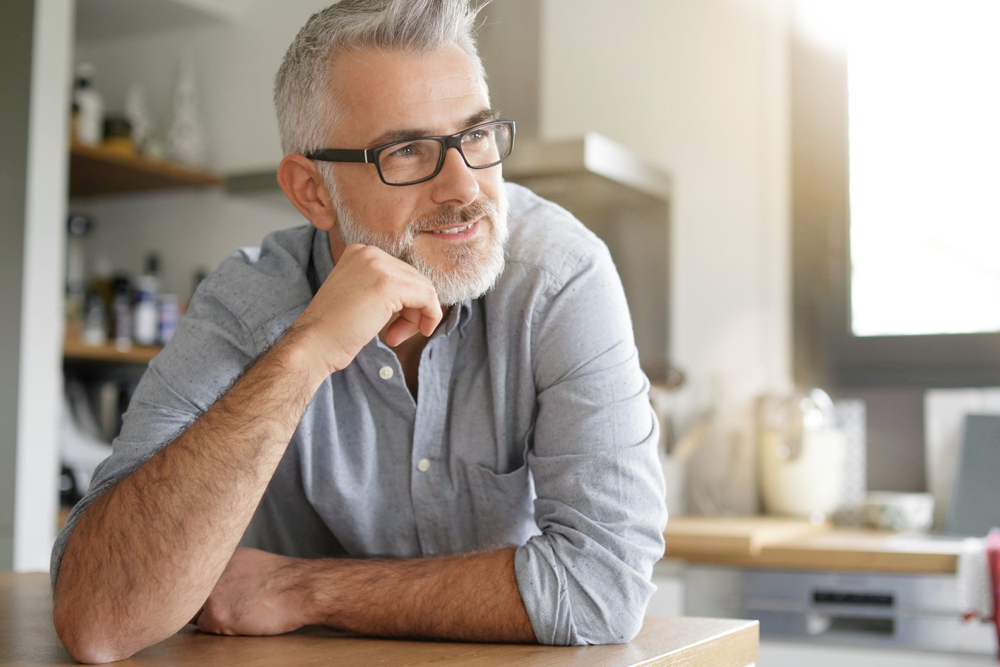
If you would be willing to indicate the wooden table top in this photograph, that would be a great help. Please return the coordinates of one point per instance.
(771, 542)
(28, 638)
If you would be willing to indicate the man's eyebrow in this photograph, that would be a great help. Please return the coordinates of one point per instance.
(481, 116)
(397, 135)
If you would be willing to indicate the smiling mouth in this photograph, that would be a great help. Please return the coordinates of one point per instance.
(454, 231)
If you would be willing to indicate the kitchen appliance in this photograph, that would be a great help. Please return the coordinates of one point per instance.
(917, 611)
(801, 455)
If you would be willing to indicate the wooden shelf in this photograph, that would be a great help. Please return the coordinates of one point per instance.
(97, 171)
(137, 354)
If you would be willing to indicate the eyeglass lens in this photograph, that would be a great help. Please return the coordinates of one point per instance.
(414, 160)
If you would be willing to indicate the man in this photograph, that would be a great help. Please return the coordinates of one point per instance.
(475, 434)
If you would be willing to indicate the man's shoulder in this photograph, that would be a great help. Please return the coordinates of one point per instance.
(259, 284)
(547, 239)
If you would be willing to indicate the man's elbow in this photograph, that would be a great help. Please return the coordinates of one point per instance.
(611, 624)
(619, 627)
(614, 615)
(86, 642)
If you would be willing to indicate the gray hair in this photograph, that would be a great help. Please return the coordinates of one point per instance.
(302, 96)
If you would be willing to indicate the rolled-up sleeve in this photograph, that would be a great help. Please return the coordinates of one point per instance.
(598, 481)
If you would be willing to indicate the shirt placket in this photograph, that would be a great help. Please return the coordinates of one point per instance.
(429, 476)
(381, 366)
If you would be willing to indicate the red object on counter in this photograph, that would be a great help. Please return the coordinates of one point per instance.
(993, 561)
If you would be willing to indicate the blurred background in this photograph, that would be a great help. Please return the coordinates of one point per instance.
(799, 195)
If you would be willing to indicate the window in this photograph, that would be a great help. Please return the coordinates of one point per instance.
(923, 103)
(896, 166)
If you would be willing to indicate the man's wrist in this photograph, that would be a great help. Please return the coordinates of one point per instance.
(290, 589)
(303, 590)
(300, 352)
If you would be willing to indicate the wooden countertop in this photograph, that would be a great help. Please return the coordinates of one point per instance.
(28, 638)
(772, 542)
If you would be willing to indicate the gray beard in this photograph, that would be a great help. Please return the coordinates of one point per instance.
(470, 272)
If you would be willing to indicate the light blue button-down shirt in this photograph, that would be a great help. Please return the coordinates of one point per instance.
(532, 426)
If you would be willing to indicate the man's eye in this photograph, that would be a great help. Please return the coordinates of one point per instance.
(478, 135)
(409, 150)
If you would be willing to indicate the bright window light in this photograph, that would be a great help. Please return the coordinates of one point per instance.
(924, 118)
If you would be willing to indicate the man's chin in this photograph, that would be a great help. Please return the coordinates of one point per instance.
(467, 273)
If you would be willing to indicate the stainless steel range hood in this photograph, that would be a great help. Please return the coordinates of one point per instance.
(609, 188)
(624, 202)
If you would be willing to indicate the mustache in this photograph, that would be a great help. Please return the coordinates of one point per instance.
(481, 208)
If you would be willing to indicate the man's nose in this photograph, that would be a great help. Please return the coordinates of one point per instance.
(456, 183)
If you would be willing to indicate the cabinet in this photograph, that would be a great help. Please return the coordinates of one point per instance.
(103, 377)
(97, 171)
(825, 586)
(99, 380)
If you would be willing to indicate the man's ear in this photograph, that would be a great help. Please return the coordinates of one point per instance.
(304, 187)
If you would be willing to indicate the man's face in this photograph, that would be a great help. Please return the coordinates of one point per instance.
(452, 227)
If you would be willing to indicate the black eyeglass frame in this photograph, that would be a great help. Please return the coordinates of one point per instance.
(371, 155)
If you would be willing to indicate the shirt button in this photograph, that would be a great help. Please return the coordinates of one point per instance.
(423, 465)
(385, 373)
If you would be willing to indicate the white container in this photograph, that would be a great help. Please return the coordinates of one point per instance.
(801, 455)
(146, 313)
(808, 485)
(169, 312)
(899, 511)
(90, 105)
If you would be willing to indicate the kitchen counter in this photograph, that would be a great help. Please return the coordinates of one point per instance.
(28, 637)
(771, 542)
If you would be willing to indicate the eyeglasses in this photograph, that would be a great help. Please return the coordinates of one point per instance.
(418, 160)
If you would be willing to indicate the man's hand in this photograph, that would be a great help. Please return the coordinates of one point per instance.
(257, 594)
(366, 290)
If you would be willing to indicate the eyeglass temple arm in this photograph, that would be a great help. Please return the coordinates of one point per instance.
(341, 155)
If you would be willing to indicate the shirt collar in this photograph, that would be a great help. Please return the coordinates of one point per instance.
(464, 315)
(322, 259)
(457, 318)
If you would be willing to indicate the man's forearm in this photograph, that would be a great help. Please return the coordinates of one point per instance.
(144, 557)
(471, 597)
(468, 597)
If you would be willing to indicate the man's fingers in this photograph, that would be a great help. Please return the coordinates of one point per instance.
(427, 318)
(412, 320)
(399, 331)
(204, 623)
(421, 308)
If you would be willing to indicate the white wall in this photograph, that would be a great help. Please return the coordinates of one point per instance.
(698, 87)
(40, 372)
